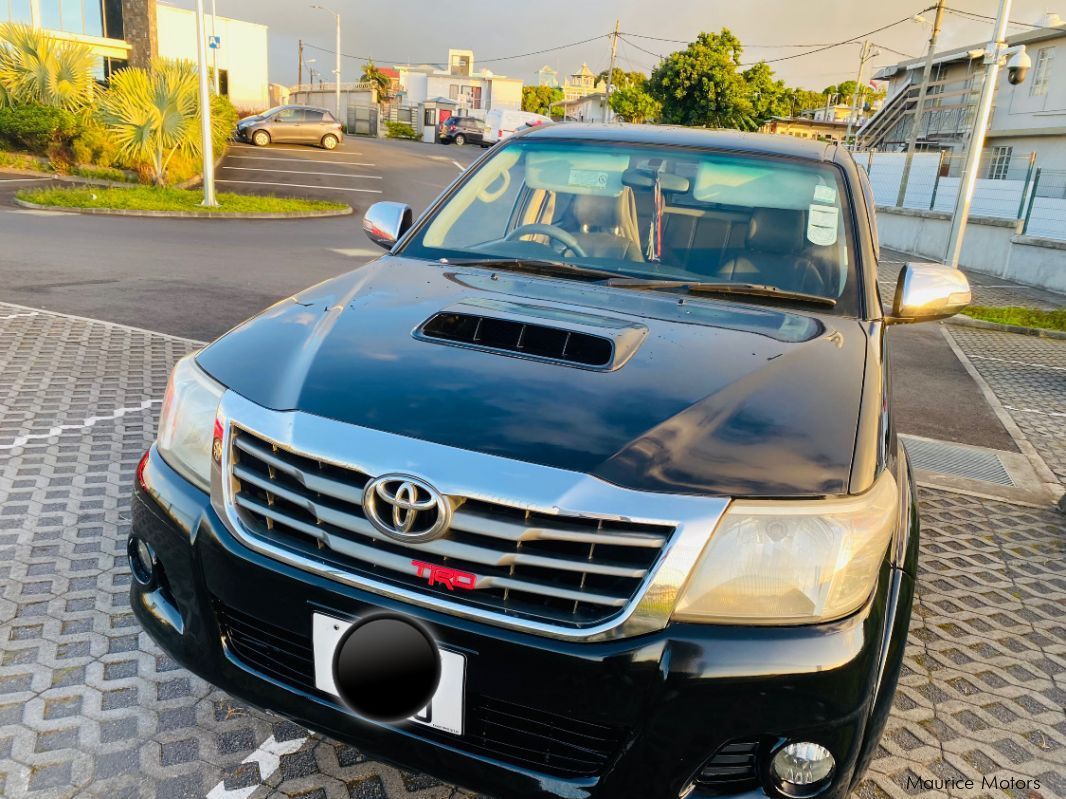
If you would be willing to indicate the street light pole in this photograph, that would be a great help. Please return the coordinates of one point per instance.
(206, 148)
(919, 108)
(993, 53)
(337, 70)
(214, 50)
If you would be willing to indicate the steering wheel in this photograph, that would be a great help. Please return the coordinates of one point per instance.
(552, 232)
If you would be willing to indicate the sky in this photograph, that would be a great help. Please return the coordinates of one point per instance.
(421, 31)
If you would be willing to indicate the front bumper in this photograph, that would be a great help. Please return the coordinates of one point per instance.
(633, 717)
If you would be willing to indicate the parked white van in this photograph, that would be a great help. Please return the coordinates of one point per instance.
(501, 124)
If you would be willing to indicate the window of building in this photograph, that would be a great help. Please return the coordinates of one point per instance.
(73, 16)
(999, 163)
(16, 10)
(460, 65)
(223, 82)
(1041, 71)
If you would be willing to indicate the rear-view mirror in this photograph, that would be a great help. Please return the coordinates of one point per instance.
(928, 291)
(385, 222)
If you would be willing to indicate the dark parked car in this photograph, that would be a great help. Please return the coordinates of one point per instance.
(292, 124)
(462, 130)
(612, 422)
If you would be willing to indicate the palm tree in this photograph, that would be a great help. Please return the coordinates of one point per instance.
(35, 68)
(381, 81)
(153, 114)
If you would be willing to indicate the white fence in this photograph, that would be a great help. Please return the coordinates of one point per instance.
(1017, 192)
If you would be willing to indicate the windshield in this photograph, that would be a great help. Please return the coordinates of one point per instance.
(653, 212)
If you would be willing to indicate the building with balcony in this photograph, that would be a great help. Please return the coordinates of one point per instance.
(1027, 118)
(474, 92)
(582, 83)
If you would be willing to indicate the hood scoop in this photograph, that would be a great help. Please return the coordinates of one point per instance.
(535, 332)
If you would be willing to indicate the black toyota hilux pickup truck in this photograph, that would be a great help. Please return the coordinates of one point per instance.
(611, 424)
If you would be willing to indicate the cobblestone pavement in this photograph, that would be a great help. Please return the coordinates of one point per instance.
(1028, 376)
(89, 706)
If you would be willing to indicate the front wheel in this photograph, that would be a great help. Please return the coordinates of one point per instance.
(260, 138)
(460, 139)
(330, 142)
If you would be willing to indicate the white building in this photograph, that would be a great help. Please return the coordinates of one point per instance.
(242, 58)
(589, 108)
(1029, 117)
(475, 92)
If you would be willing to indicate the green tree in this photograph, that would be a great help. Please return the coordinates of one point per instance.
(153, 114)
(537, 99)
(805, 99)
(621, 79)
(632, 103)
(701, 85)
(37, 69)
(381, 81)
(768, 97)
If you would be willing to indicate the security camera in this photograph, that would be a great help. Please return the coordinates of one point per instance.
(1018, 67)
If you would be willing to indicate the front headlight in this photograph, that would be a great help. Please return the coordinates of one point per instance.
(187, 423)
(792, 561)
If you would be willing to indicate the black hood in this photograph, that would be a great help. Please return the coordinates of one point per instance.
(717, 397)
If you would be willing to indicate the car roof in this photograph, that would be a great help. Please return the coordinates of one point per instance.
(678, 136)
(307, 107)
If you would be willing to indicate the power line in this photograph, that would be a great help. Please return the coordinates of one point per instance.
(818, 48)
(975, 17)
(480, 60)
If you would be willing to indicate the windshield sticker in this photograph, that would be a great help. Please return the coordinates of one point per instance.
(825, 194)
(822, 225)
(588, 178)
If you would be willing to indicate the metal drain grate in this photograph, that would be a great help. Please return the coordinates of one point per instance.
(957, 461)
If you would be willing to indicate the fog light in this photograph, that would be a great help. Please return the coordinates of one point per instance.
(802, 768)
(142, 561)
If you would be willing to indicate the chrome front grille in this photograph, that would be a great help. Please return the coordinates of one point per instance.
(567, 569)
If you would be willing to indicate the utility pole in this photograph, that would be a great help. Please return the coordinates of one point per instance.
(919, 108)
(300, 65)
(867, 53)
(610, 74)
(207, 148)
(337, 69)
(993, 53)
(214, 50)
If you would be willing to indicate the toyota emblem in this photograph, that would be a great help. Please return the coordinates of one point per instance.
(406, 508)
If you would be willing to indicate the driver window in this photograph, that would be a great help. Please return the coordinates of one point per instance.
(488, 203)
(286, 115)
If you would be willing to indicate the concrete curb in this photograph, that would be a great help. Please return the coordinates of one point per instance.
(186, 214)
(1039, 332)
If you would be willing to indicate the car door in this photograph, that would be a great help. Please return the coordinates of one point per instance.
(286, 125)
(314, 125)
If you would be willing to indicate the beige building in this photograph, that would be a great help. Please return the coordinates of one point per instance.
(806, 128)
(582, 83)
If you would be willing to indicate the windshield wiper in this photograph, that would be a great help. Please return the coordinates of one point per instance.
(534, 265)
(696, 287)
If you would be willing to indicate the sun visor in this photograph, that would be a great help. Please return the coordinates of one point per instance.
(576, 172)
(757, 185)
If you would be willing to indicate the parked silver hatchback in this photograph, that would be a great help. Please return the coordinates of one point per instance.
(292, 124)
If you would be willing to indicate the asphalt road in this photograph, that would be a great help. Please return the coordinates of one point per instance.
(199, 278)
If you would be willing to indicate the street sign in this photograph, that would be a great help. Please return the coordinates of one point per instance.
(214, 42)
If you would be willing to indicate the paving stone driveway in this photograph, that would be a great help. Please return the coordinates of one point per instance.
(89, 706)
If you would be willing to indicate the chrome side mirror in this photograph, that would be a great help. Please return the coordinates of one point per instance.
(926, 292)
(385, 222)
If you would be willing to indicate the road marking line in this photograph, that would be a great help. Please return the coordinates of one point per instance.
(307, 150)
(1056, 414)
(21, 180)
(295, 185)
(459, 166)
(21, 441)
(356, 253)
(297, 160)
(1017, 363)
(302, 172)
(134, 328)
(16, 315)
(268, 757)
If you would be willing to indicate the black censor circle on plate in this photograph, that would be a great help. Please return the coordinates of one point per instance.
(386, 668)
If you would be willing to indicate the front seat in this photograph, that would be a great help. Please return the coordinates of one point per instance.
(607, 226)
(775, 255)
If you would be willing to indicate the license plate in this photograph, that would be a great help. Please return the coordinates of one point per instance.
(445, 709)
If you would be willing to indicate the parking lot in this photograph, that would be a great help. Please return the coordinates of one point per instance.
(359, 172)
